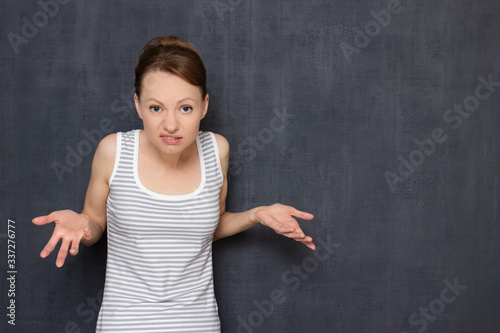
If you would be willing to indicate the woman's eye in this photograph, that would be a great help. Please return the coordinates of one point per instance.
(186, 109)
(155, 108)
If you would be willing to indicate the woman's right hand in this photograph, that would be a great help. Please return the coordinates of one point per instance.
(70, 228)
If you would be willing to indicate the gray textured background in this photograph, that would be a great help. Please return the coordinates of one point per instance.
(351, 121)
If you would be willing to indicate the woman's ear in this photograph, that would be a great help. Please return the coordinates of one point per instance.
(205, 107)
(137, 107)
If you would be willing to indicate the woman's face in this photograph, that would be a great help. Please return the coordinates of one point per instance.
(171, 110)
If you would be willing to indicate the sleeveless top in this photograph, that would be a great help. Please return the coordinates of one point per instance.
(159, 264)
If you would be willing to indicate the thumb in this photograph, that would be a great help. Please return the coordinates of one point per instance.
(303, 215)
(45, 219)
(41, 220)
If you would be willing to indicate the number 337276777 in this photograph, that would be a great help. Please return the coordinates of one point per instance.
(11, 247)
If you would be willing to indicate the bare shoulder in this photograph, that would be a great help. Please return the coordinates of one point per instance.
(104, 158)
(223, 146)
(107, 146)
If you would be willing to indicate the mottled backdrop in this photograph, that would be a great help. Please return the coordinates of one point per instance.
(380, 117)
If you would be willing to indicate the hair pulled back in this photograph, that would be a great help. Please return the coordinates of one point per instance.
(174, 55)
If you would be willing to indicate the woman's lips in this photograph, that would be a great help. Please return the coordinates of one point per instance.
(170, 139)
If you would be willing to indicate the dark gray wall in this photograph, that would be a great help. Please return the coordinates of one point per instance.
(361, 92)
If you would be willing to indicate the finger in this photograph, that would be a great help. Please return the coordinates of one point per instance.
(280, 228)
(51, 245)
(303, 238)
(297, 235)
(302, 215)
(287, 230)
(87, 234)
(74, 247)
(63, 252)
(296, 231)
(310, 245)
(300, 237)
(307, 240)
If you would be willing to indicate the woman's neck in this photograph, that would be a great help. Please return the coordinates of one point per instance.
(169, 161)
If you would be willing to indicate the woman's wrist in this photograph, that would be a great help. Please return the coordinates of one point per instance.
(255, 217)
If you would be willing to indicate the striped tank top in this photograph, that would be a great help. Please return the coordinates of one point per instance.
(159, 263)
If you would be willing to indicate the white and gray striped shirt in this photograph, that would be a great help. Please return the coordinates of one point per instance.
(159, 265)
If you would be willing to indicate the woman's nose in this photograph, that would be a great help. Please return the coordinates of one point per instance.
(170, 122)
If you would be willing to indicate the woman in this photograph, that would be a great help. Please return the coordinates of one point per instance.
(160, 192)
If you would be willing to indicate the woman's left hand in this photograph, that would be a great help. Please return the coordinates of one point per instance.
(280, 218)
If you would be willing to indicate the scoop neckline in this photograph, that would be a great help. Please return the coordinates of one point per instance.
(157, 195)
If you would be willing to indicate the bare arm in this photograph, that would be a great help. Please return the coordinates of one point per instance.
(72, 228)
(278, 217)
(97, 192)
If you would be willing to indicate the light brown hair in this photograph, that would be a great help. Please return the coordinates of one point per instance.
(174, 55)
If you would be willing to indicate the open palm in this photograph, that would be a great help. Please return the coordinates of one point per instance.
(280, 218)
(70, 228)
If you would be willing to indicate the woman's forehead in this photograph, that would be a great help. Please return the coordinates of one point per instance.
(166, 85)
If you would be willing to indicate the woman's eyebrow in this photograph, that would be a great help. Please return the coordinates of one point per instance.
(184, 99)
(155, 100)
(179, 101)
